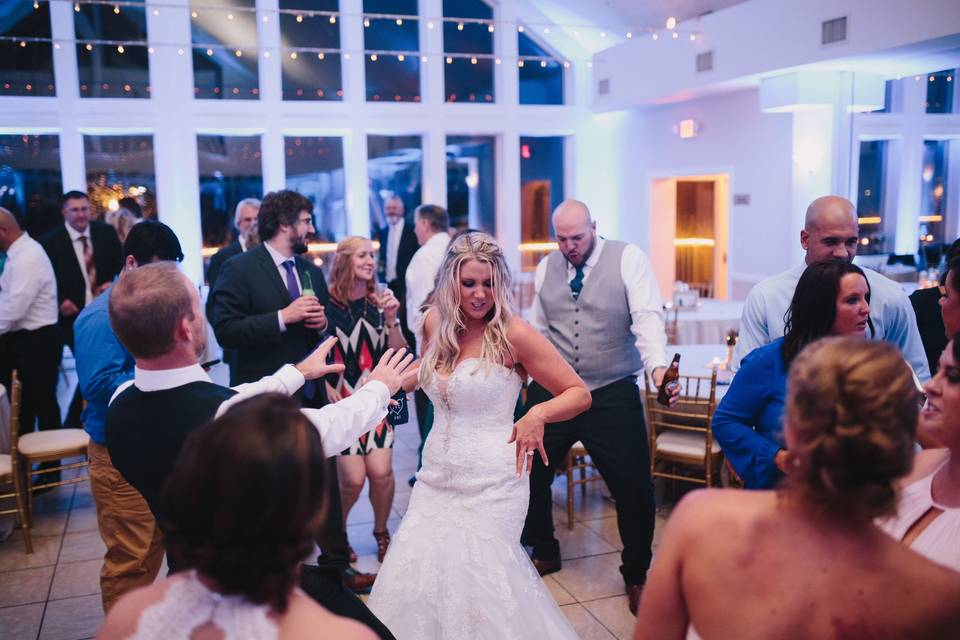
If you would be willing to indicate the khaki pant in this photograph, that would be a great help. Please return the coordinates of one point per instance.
(133, 539)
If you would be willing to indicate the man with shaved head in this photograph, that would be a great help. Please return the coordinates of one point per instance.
(597, 301)
(30, 341)
(831, 231)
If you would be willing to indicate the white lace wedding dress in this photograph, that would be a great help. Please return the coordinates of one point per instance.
(455, 568)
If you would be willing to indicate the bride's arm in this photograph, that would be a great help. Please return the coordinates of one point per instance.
(547, 367)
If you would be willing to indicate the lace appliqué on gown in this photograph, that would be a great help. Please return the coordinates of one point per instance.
(188, 605)
(455, 568)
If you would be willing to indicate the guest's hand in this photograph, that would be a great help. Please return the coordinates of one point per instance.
(673, 390)
(390, 306)
(301, 309)
(396, 369)
(316, 320)
(68, 309)
(332, 394)
(315, 365)
(528, 434)
(784, 462)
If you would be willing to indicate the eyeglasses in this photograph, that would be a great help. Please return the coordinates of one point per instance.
(308, 221)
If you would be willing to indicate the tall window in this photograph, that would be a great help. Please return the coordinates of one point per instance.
(30, 183)
(541, 190)
(393, 62)
(541, 75)
(933, 192)
(471, 182)
(870, 198)
(394, 167)
(314, 167)
(112, 70)
(230, 170)
(941, 88)
(26, 67)
(120, 167)
(467, 74)
(225, 53)
(311, 56)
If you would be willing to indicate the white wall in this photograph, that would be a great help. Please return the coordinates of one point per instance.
(623, 152)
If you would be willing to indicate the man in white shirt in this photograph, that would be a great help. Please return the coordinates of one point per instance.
(432, 226)
(597, 302)
(155, 311)
(28, 325)
(831, 231)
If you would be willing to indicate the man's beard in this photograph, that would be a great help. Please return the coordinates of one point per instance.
(299, 245)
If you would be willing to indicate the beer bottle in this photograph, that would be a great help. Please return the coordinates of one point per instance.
(308, 285)
(671, 377)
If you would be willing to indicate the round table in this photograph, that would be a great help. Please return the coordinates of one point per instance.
(696, 360)
(708, 323)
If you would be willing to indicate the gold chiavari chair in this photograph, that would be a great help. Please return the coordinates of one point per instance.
(578, 460)
(10, 470)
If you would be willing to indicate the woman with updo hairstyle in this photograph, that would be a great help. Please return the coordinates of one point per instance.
(243, 507)
(928, 513)
(806, 561)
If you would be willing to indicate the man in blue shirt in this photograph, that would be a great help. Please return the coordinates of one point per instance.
(831, 230)
(133, 540)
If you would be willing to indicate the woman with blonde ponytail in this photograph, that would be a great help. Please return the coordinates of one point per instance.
(455, 568)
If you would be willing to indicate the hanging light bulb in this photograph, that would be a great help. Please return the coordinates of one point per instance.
(116, 9)
(693, 37)
(401, 58)
(76, 7)
(629, 34)
(497, 61)
(423, 58)
(459, 26)
(566, 64)
(150, 49)
(293, 55)
(229, 16)
(656, 36)
(366, 22)
(543, 64)
(36, 5)
(520, 63)
(671, 23)
(430, 25)
(449, 60)
(120, 49)
(266, 54)
(490, 28)
(321, 55)
(520, 28)
(89, 47)
(238, 53)
(603, 34)
(399, 22)
(193, 14)
(333, 19)
(180, 52)
(546, 30)
(473, 61)
(373, 57)
(209, 52)
(675, 35)
(299, 18)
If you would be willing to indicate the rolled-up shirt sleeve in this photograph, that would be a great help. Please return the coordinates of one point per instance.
(537, 318)
(646, 307)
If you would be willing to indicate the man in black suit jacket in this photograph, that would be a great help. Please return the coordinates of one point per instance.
(65, 246)
(80, 279)
(255, 312)
(243, 218)
(398, 243)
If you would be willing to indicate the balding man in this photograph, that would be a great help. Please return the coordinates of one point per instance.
(597, 301)
(243, 218)
(830, 231)
(28, 325)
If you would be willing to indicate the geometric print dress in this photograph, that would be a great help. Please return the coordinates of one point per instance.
(361, 341)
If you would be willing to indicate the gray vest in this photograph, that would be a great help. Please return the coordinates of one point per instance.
(592, 333)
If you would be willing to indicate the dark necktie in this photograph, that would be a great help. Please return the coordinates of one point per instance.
(576, 285)
(292, 288)
(88, 263)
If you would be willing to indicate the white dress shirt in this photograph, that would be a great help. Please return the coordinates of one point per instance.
(394, 233)
(78, 249)
(28, 288)
(892, 314)
(643, 298)
(421, 274)
(279, 259)
(339, 424)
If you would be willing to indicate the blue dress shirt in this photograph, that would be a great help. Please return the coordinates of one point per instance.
(748, 423)
(103, 364)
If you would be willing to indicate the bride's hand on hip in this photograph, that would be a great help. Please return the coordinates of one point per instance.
(528, 434)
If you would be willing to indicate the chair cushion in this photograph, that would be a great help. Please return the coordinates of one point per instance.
(6, 464)
(52, 441)
(684, 443)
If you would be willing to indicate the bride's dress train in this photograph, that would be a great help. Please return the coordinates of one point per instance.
(455, 568)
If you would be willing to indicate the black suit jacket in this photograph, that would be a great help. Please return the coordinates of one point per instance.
(70, 285)
(926, 305)
(244, 304)
(408, 247)
(216, 264)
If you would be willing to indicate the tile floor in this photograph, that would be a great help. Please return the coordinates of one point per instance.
(53, 594)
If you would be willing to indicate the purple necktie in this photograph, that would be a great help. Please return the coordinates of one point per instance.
(292, 287)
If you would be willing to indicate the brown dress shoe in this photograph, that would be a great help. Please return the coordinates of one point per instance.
(358, 582)
(383, 541)
(634, 591)
(546, 567)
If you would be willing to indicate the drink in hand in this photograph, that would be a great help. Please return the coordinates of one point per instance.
(670, 379)
(308, 285)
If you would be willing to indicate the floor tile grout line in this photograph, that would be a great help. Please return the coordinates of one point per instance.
(43, 614)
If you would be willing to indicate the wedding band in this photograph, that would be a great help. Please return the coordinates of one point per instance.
(529, 453)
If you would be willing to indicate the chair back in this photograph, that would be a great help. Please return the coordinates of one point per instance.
(16, 391)
(694, 411)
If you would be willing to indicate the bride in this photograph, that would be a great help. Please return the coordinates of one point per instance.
(455, 568)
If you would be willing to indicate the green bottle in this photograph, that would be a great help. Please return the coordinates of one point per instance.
(308, 285)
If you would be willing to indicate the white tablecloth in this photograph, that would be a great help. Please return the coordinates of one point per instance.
(709, 323)
(695, 360)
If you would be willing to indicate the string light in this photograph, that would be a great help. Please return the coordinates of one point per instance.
(116, 9)
(401, 57)
(430, 25)
(520, 63)
(459, 26)
(299, 18)
(519, 27)
(490, 28)
(629, 34)
(473, 61)
(449, 60)
(321, 55)
(675, 35)
(333, 19)
(399, 22)
(373, 57)
(543, 64)
(36, 5)
(293, 55)
(366, 22)
(89, 47)
(656, 36)
(671, 23)
(238, 53)
(120, 49)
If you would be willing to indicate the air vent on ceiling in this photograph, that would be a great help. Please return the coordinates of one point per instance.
(603, 87)
(834, 30)
(705, 61)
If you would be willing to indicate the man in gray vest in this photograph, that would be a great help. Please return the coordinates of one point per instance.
(597, 302)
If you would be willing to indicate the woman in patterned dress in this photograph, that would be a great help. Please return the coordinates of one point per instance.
(365, 326)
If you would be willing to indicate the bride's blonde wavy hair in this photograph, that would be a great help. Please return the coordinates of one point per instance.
(444, 347)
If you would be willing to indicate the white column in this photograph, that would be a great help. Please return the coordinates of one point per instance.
(174, 137)
(270, 69)
(355, 143)
(907, 204)
(812, 167)
(72, 161)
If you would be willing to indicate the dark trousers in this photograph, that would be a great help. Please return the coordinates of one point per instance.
(424, 420)
(75, 409)
(332, 539)
(614, 435)
(36, 357)
(325, 586)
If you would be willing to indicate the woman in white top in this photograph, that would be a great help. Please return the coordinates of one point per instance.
(244, 504)
(928, 509)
